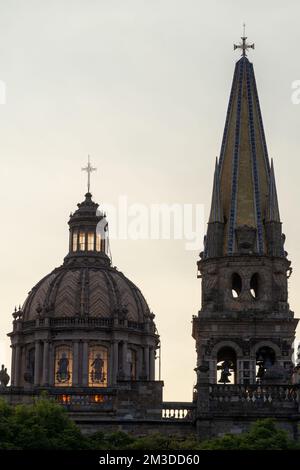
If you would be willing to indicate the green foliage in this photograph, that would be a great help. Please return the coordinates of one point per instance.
(110, 441)
(43, 425)
(46, 425)
(263, 435)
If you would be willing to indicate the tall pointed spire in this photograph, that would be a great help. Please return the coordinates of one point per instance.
(244, 166)
(216, 211)
(244, 215)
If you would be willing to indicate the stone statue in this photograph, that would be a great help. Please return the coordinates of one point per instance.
(97, 372)
(63, 373)
(4, 377)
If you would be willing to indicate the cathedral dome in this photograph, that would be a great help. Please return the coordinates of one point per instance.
(86, 285)
(85, 324)
(86, 291)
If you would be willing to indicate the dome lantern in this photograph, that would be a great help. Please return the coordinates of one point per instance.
(88, 230)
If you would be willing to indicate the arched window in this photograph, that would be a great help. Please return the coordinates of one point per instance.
(90, 241)
(98, 242)
(236, 285)
(254, 285)
(132, 361)
(63, 366)
(81, 241)
(98, 366)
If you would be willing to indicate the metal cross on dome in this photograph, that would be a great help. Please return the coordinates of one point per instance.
(243, 45)
(89, 169)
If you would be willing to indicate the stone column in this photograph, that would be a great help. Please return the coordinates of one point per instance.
(13, 365)
(239, 372)
(152, 364)
(110, 364)
(124, 362)
(75, 368)
(37, 363)
(202, 423)
(51, 364)
(85, 365)
(212, 371)
(147, 370)
(17, 365)
(140, 364)
(252, 371)
(115, 361)
(46, 363)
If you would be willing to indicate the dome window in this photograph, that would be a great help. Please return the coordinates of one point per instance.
(91, 238)
(81, 241)
(98, 366)
(98, 242)
(63, 366)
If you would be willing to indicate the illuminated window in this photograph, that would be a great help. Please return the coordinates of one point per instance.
(98, 398)
(82, 241)
(90, 241)
(63, 366)
(98, 366)
(75, 240)
(132, 360)
(98, 242)
(64, 399)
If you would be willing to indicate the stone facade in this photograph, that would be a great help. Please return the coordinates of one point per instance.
(86, 337)
(245, 329)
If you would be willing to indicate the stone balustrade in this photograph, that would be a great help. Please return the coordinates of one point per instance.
(178, 410)
(253, 395)
(81, 322)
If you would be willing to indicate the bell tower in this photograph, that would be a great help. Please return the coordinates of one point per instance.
(245, 329)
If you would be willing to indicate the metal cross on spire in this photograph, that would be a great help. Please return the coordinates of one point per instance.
(89, 169)
(243, 45)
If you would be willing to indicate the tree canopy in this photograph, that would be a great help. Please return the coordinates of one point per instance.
(46, 425)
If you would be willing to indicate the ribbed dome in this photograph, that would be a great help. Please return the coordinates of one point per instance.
(86, 291)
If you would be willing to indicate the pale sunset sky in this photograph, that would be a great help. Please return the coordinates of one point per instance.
(142, 86)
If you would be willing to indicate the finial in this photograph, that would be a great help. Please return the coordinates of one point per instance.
(243, 45)
(89, 169)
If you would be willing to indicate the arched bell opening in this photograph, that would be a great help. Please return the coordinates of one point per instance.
(265, 358)
(236, 285)
(255, 286)
(226, 366)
